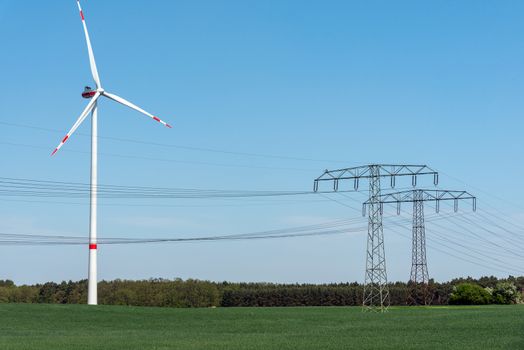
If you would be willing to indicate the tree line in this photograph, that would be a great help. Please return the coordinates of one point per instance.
(197, 293)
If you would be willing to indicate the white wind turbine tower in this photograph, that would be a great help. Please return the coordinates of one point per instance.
(92, 107)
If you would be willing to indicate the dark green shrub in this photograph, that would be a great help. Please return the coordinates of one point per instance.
(469, 294)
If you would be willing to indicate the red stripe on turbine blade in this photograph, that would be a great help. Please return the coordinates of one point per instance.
(92, 246)
(82, 15)
(155, 118)
(65, 138)
(52, 154)
(169, 126)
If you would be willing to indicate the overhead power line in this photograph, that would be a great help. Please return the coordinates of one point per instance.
(170, 160)
(322, 229)
(32, 187)
(496, 256)
(184, 147)
(20, 187)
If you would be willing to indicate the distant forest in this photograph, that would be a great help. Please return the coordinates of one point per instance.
(196, 293)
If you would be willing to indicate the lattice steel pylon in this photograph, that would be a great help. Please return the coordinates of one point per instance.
(418, 285)
(419, 279)
(376, 292)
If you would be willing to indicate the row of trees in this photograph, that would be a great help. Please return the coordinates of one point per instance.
(195, 293)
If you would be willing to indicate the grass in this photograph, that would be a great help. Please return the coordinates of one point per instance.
(119, 327)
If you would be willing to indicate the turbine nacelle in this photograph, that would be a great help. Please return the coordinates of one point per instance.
(89, 92)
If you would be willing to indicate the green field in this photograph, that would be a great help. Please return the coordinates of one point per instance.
(119, 327)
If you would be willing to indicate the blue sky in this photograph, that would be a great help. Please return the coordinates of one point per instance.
(343, 83)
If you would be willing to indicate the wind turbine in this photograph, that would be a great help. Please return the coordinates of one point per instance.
(92, 106)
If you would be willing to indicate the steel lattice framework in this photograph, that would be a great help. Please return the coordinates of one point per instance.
(418, 291)
(376, 292)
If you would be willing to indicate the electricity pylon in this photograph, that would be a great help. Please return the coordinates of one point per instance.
(376, 292)
(418, 285)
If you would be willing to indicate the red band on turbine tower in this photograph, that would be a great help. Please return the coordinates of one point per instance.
(92, 246)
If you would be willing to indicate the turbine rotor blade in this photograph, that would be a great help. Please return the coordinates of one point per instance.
(92, 62)
(79, 121)
(132, 106)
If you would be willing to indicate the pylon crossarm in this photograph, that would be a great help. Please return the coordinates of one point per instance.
(427, 195)
(409, 196)
(381, 171)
